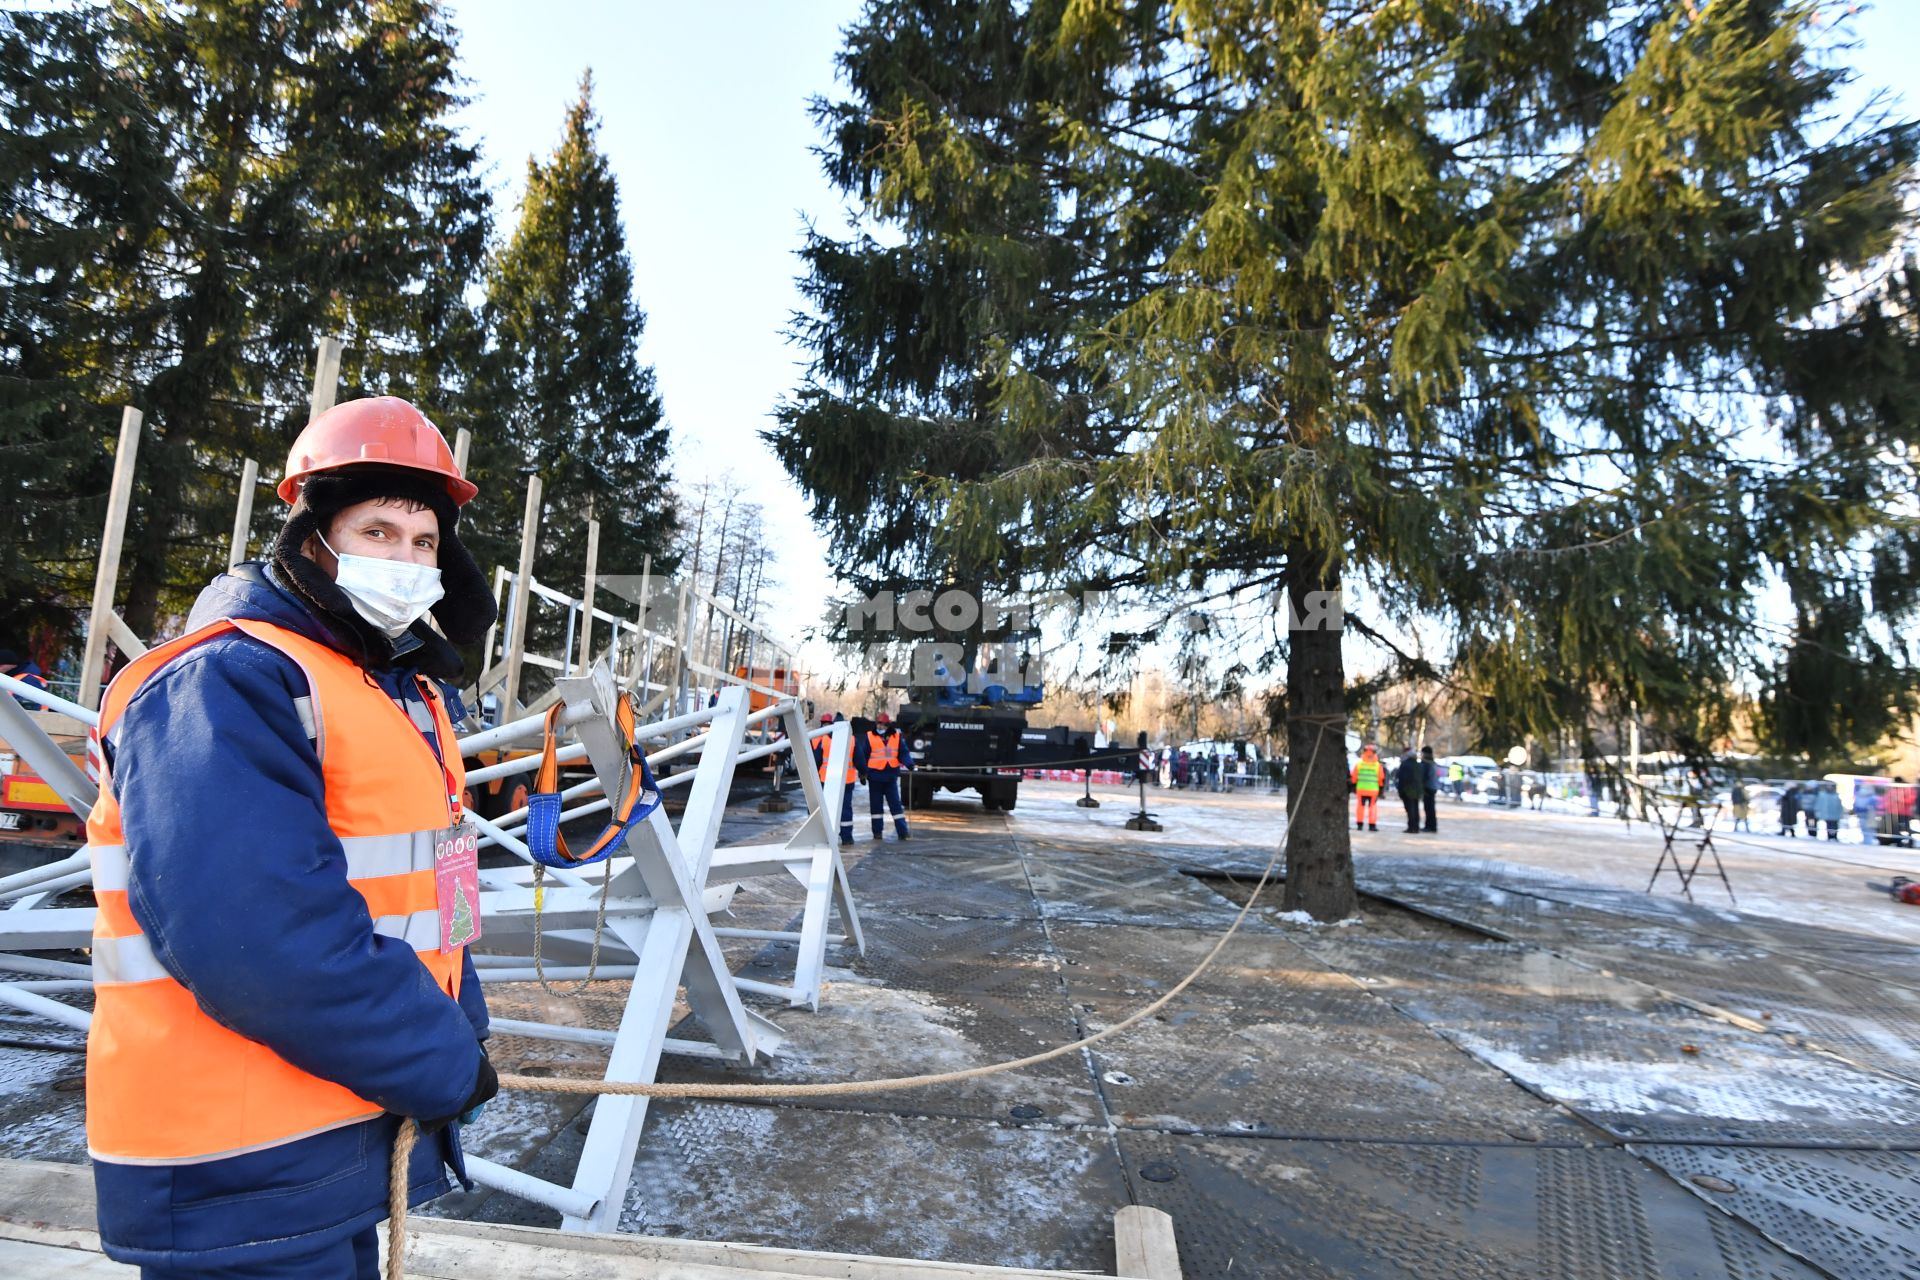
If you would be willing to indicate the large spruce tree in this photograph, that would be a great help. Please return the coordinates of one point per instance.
(268, 173)
(566, 389)
(1570, 324)
(82, 169)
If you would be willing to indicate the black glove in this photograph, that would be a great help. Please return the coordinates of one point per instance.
(484, 1088)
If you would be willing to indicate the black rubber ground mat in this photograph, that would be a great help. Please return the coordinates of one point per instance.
(1273, 1042)
(1851, 1213)
(955, 1190)
(1128, 888)
(948, 886)
(1625, 1057)
(42, 1090)
(1324, 1210)
(933, 995)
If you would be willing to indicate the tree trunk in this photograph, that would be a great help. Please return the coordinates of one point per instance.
(1319, 852)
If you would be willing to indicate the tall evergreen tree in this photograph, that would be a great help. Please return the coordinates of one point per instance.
(1568, 323)
(309, 183)
(81, 169)
(566, 389)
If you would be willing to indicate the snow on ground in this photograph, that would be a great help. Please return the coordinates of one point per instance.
(1810, 882)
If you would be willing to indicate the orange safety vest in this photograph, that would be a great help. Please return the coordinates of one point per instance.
(883, 751)
(166, 1084)
(853, 774)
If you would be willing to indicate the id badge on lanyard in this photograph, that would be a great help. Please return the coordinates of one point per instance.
(456, 880)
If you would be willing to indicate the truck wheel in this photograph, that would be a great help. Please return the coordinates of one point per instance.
(1009, 794)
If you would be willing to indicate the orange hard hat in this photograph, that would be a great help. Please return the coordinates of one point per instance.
(378, 429)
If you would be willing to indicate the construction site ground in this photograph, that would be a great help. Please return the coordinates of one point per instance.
(1515, 1063)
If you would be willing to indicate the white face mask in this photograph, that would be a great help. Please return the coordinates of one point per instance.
(391, 594)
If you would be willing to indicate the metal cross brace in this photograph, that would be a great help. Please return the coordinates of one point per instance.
(655, 914)
(812, 857)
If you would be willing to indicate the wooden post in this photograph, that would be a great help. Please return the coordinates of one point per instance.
(586, 596)
(1143, 1244)
(243, 513)
(326, 377)
(683, 639)
(462, 446)
(642, 668)
(522, 598)
(107, 576)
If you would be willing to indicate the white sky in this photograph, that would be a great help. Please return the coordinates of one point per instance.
(703, 110)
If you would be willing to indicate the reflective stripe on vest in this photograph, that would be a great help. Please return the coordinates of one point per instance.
(853, 774)
(883, 752)
(166, 1084)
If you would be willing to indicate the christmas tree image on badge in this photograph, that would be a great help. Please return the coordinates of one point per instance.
(461, 931)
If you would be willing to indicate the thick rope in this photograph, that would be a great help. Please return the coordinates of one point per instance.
(404, 1141)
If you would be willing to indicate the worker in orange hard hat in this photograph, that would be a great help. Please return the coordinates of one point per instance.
(850, 774)
(885, 757)
(286, 883)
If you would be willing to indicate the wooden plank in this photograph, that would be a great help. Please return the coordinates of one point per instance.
(326, 376)
(522, 600)
(1143, 1244)
(243, 513)
(731, 1260)
(107, 574)
(49, 1207)
(122, 635)
(47, 1194)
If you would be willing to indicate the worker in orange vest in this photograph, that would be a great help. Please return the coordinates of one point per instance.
(285, 884)
(885, 758)
(1368, 779)
(846, 783)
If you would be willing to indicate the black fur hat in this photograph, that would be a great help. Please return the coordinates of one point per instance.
(464, 612)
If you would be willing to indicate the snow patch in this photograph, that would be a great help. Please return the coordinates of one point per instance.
(1775, 1089)
(1302, 918)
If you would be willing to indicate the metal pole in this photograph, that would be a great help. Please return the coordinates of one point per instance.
(19, 731)
(586, 599)
(462, 446)
(522, 597)
(52, 1010)
(243, 514)
(107, 577)
(326, 377)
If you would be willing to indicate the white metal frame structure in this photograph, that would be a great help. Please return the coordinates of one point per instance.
(812, 857)
(657, 932)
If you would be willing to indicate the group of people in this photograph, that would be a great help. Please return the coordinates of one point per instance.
(1193, 770)
(879, 757)
(1881, 812)
(1416, 778)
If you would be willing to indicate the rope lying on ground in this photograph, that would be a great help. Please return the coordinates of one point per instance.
(404, 1140)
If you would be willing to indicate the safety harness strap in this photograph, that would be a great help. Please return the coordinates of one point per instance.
(639, 797)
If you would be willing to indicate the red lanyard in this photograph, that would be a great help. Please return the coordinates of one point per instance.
(454, 805)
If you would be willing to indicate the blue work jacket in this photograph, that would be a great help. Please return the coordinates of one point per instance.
(214, 773)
